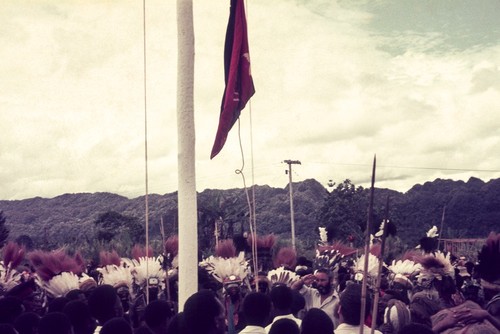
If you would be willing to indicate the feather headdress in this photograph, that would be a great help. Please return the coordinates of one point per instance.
(373, 264)
(13, 254)
(286, 257)
(112, 271)
(435, 266)
(265, 245)
(402, 270)
(489, 259)
(224, 268)
(225, 249)
(429, 243)
(56, 272)
(283, 276)
(327, 257)
(145, 268)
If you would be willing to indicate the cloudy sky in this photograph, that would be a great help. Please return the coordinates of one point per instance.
(415, 82)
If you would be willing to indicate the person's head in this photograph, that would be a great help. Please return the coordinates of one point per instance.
(203, 313)
(299, 302)
(27, 323)
(316, 321)
(256, 308)
(284, 326)
(350, 305)
(54, 323)
(157, 314)
(424, 305)
(10, 309)
(78, 314)
(57, 304)
(175, 324)
(104, 303)
(117, 325)
(397, 314)
(282, 299)
(323, 282)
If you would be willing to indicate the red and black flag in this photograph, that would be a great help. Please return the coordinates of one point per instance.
(239, 84)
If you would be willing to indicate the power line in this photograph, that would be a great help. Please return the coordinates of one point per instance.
(413, 167)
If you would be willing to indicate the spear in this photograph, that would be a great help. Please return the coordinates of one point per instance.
(367, 249)
(380, 264)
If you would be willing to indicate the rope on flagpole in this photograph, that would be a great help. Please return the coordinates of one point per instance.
(145, 144)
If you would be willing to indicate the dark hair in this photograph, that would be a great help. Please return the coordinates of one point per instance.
(102, 303)
(116, 325)
(299, 302)
(350, 302)
(54, 323)
(316, 321)
(285, 326)
(57, 304)
(200, 310)
(27, 323)
(157, 312)
(78, 314)
(281, 297)
(256, 308)
(10, 309)
(176, 323)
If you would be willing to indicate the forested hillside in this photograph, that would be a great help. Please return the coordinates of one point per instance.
(102, 220)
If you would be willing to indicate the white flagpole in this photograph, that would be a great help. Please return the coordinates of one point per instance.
(188, 233)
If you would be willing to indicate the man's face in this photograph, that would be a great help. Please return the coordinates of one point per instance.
(323, 283)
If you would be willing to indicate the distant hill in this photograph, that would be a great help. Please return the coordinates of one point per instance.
(472, 211)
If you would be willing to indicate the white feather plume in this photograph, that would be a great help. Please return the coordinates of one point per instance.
(433, 232)
(147, 267)
(373, 263)
(282, 276)
(405, 268)
(221, 268)
(9, 277)
(323, 235)
(60, 285)
(115, 275)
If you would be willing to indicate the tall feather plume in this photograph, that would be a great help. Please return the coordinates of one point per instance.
(139, 251)
(109, 258)
(282, 275)
(323, 236)
(225, 249)
(263, 242)
(340, 247)
(13, 255)
(489, 259)
(80, 261)
(286, 257)
(172, 245)
(376, 249)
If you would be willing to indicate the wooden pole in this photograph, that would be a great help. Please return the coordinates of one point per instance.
(367, 249)
(380, 264)
(441, 228)
(188, 232)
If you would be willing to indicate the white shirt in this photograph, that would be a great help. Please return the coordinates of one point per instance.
(313, 300)
(286, 316)
(350, 329)
(253, 330)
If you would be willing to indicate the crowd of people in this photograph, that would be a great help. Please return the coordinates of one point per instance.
(341, 290)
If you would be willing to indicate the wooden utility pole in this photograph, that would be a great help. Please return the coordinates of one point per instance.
(292, 216)
(188, 237)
